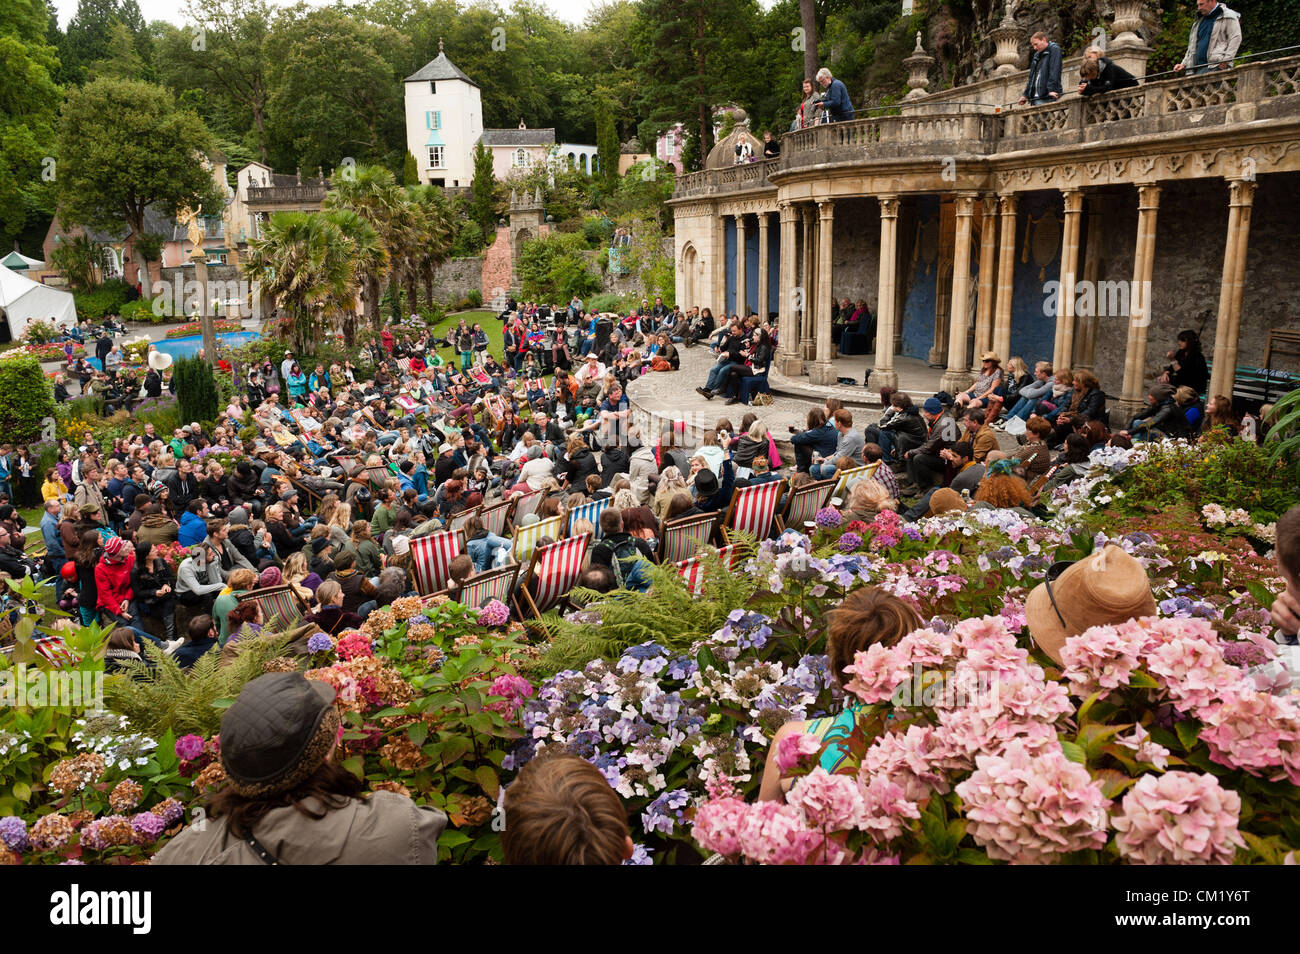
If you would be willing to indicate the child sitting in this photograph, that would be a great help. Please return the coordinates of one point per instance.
(561, 811)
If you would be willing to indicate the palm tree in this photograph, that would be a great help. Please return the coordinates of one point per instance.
(306, 263)
(436, 229)
(373, 193)
(368, 256)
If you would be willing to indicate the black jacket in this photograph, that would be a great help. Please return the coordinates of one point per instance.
(578, 467)
(181, 491)
(613, 461)
(285, 542)
(909, 428)
(146, 581)
(1192, 371)
(1113, 76)
(240, 490)
(241, 538)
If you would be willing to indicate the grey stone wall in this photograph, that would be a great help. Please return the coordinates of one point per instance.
(856, 267)
(455, 277)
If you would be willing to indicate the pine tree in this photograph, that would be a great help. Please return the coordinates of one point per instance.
(483, 206)
(606, 144)
(196, 391)
(410, 172)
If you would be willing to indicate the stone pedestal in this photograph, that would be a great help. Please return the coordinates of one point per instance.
(918, 66)
(1127, 49)
(200, 259)
(1007, 36)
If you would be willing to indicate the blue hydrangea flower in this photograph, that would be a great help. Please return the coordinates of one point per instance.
(319, 643)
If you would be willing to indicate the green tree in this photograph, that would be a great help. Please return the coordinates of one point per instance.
(372, 193)
(410, 171)
(25, 399)
(335, 89)
(125, 146)
(146, 247)
(305, 263)
(606, 145)
(196, 390)
(483, 205)
(554, 268)
(77, 259)
(29, 103)
(435, 231)
(368, 256)
(91, 37)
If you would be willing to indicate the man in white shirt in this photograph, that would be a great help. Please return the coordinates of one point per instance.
(591, 370)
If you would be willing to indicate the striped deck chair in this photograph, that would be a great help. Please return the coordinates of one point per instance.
(853, 473)
(431, 558)
(679, 538)
(805, 502)
(526, 537)
(552, 571)
(479, 376)
(589, 511)
(310, 497)
(404, 365)
(498, 584)
(459, 520)
(494, 517)
(692, 568)
(752, 510)
(525, 505)
(277, 602)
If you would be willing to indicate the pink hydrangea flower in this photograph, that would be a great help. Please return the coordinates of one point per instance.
(354, 645)
(988, 646)
(1101, 658)
(885, 809)
(1030, 807)
(1144, 749)
(513, 690)
(774, 833)
(1255, 731)
(908, 759)
(1193, 670)
(926, 647)
(495, 613)
(189, 747)
(876, 673)
(796, 749)
(829, 802)
(1178, 818)
(717, 825)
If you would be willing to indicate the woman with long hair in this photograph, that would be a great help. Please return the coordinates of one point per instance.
(671, 483)
(1219, 413)
(1187, 365)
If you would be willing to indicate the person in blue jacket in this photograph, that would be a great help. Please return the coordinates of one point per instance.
(1044, 84)
(835, 101)
(194, 525)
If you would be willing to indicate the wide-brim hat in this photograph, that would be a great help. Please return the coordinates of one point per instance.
(1106, 588)
(277, 733)
(945, 500)
(160, 360)
(990, 356)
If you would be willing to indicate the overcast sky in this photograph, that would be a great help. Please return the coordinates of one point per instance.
(575, 11)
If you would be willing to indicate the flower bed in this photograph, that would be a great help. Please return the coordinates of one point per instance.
(195, 328)
(51, 351)
(1165, 740)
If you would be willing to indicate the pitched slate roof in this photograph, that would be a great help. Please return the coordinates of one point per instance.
(519, 137)
(440, 68)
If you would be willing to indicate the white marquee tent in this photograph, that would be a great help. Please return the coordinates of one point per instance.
(23, 300)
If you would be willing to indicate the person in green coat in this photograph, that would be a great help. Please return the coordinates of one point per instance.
(369, 559)
(239, 583)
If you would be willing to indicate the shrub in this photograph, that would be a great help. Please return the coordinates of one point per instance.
(25, 399)
(40, 331)
(597, 232)
(107, 299)
(142, 310)
(606, 301)
(474, 298)
(196, 390)
(554, 268)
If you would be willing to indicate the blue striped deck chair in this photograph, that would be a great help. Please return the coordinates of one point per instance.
(804, 503)
(498, 584)
(589, 511)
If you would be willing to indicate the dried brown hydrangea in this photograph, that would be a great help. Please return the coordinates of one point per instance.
(8, 857)
(388, 785)
(475, 810)
(280, 664)
(214, 774)
(421, 633)
(405, 607)
(403, 754)
(377, 622)
(125, 796)
(51, 832)
(72, 775)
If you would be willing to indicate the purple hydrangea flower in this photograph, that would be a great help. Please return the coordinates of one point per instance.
(148, 825)
(189, 747)
(13, 833)
(319, 643)
(828, 518)
(169, 810)
(495, 613)
(850, 542)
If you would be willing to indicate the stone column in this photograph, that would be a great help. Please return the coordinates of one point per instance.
(957, 377)
(1006, 274)
(823, 372)
(887, 294)
(1063, 348)
(718, 278)
(1227, 330)
(806, 282)
(1144, 253)
(791, 364)
(742, 266)
(763, 278)
(1085, 339)
(988, 284)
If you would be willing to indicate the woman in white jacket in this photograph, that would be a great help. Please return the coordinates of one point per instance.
(198, 578)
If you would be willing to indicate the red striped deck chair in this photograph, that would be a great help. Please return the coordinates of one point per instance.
(525, 505)
(350, 463)
(404, 365)
(692, 568)
(552, 571)
(459, 520)
(679, 538)
(278, 603)
(805, 502)
(752, 510)
(479, 375)
(498, 584)
(589, 511)
(847, 477)
(431, 558)
(494, 517)
(526, 537)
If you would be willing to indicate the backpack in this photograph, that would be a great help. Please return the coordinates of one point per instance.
(635, 577)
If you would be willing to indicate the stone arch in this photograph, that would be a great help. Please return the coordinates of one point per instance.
(522, 236)
(690, 276)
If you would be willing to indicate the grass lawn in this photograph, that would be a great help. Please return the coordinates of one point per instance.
(488, 319)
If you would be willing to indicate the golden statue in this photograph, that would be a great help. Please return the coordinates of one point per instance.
(190, 218)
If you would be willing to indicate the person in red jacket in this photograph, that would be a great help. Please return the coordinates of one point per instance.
(113, 582)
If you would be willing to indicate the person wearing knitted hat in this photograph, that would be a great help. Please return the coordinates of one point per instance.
(1106, 588)
(286, 801)
(113, 583)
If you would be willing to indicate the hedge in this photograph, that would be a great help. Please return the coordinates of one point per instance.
(25, 400)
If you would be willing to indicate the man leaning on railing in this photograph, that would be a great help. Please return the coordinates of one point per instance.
(835, 101)
(1044, 84)
(1214, 38)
